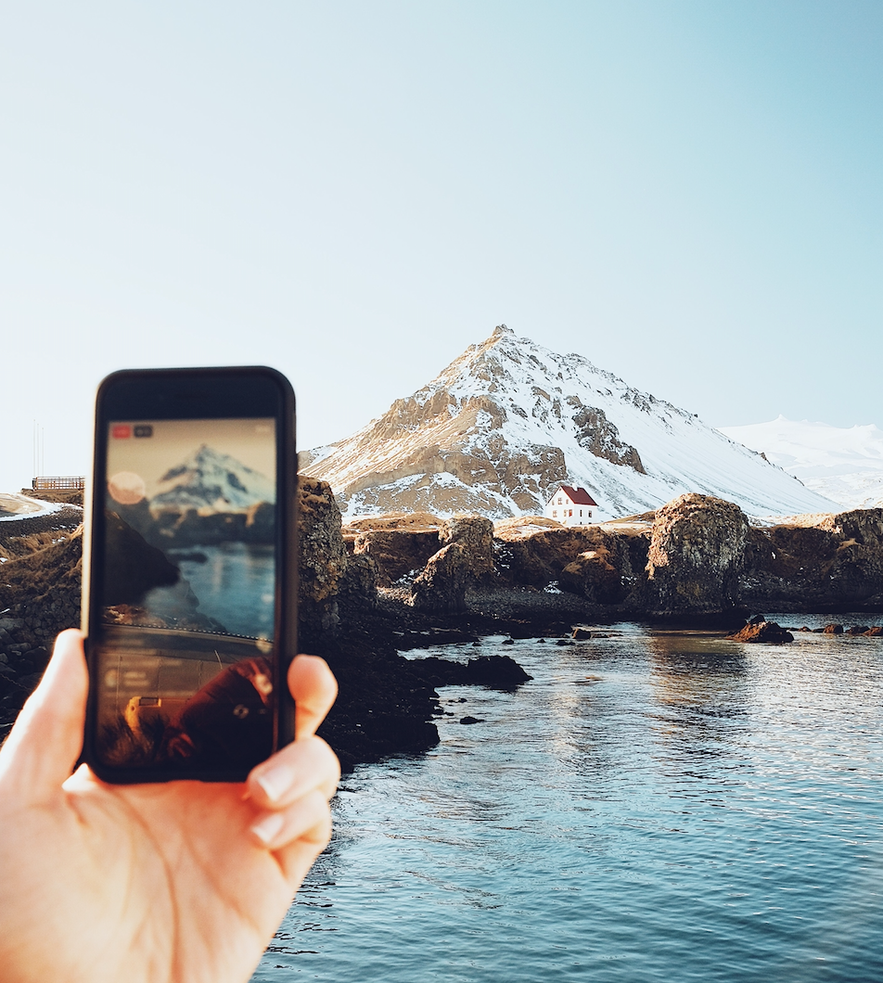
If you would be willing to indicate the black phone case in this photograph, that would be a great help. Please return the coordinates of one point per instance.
(209, 392)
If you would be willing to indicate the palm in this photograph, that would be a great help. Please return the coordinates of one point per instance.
(154, 883)
(141, 894)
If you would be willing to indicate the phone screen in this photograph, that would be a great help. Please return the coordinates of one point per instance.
(186, 607)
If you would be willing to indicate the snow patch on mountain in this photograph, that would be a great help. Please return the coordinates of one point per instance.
(210, 481)
(844, 464)
(509, 420)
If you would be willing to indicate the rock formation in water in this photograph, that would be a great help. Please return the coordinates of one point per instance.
(697, 557)
(133, 566)
(697, 553)
(760, 630)
(464, 561)
(817, 562)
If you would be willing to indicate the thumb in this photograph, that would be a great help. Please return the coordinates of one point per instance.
(314, 689)
(43, 746)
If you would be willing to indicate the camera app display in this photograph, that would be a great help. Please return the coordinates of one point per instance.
(188, 593)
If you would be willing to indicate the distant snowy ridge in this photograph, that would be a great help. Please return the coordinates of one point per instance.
(844, 464)
(509, 420)
(211, 481)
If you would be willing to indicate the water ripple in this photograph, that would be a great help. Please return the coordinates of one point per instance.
(653, 806)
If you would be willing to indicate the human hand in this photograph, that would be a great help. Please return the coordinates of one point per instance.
(183, 881)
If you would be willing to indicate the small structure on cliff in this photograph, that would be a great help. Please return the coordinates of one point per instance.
(570, 506)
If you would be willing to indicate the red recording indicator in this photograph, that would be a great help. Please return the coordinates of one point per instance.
(121, 431)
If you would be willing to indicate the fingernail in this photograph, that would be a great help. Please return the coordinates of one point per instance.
(266, 828)
(275, 783)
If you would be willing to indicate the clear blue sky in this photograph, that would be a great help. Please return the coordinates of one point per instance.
(687, 193)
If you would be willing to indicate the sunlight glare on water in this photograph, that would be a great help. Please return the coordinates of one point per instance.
(652, 806)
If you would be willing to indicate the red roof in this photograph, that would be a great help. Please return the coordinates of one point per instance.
(579, 496)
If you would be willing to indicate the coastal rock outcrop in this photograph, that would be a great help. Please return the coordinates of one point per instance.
(133, 566)
(494, 671)
(327, 572)
(761, 630)
(611, 571)
(465, 559)
(822, 562)
(399, 544)
(697, 552)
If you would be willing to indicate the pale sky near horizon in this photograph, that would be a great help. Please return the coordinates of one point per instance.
(687, 193)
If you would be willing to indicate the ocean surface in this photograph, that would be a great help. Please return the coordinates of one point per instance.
(652, 806)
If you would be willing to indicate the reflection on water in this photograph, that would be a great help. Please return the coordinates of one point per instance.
(652, 806)
(698, 691)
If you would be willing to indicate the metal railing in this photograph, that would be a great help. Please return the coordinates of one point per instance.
(58, 483)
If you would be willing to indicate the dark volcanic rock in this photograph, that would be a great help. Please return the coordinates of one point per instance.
(494, 671)
(465, 560)
(763, 631)
(601, 565)
(323, 557)
(697, 552)
(443, 583)
(817, 562)
(597, 574)
(537, 558)
(383, 706)
(133, 566)
(397, 552)
(476, 535)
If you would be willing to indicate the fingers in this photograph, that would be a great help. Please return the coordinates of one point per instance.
(46, 740)
(292, 773)
(296, 858)
(275, 830)
(308, 763)
(292, 789)
(314, 689)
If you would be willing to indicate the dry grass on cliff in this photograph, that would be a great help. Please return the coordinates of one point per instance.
(14, 548)
(409, 521)
(54, 566)
(522, 526)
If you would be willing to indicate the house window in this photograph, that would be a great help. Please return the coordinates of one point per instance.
(554, 513)
(559, 500)
(589, 513)
(570, 512)
(580, 513)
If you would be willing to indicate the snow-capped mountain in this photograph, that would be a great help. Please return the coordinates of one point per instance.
(506, 422)
(844, 464)
(211, 481)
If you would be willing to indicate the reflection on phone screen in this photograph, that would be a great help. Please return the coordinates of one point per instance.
(188, 594)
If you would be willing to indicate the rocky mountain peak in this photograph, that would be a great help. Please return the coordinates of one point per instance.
(509, 420)
(209, 479)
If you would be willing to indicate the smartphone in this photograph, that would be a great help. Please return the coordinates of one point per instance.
(190, 573)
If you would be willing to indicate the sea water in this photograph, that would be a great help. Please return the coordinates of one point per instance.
(651, 806)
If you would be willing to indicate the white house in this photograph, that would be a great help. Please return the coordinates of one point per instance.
(570, 506)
